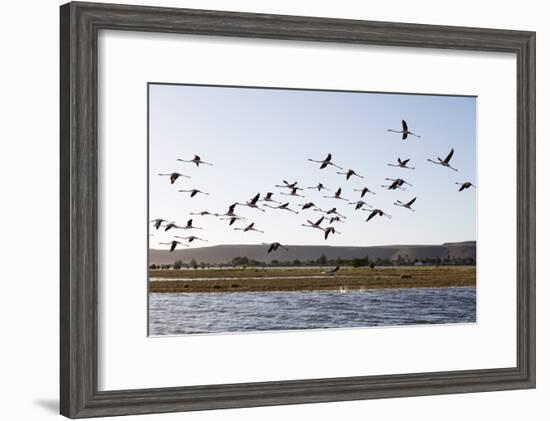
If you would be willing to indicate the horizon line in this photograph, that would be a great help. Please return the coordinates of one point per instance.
(322, 245)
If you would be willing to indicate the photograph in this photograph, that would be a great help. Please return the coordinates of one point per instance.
(274, 209)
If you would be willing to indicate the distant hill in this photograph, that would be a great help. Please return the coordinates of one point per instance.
(225, 253)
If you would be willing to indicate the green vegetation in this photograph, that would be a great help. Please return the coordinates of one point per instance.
(244, 262)
(309, 279)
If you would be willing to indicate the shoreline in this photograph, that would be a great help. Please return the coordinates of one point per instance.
(347, 279)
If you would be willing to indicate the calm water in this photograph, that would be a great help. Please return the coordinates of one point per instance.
(176, 314)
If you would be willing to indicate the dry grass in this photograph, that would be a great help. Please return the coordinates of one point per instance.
(251, 280)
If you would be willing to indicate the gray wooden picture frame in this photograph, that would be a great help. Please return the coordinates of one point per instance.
(80, 24)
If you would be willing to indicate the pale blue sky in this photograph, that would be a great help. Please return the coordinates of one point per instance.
(257, 137)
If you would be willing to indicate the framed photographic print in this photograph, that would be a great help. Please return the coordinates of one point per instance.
(266, 210)
(287, 254)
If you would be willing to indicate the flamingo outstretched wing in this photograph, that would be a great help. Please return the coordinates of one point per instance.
(255, 199)
(411, 202)
(448, 158)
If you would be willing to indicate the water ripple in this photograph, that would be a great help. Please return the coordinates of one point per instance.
(185, 313)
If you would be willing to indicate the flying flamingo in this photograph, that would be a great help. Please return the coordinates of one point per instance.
(364, 191)
(231, 210)
(284, 206)
(189, 226)
(396, 183)
(171, 225)
(314, 224)
(191, 238)
(337, 195)
(375, 212)
(204, 213)
(319, 187)
(194, 192)
(406, 205)
(444, 162)
(335, 219)
(359, 204)
(174, 176)
(196, 160)
(157, 222)
(332, 211)
(268, 198)
(232, 219)
(293, 192)
(405, 130)
(349, 173)
(308, 205)
(248, 228)
(232, 215)
(252, 203)
(288, 185)
(174, 244)
(324, 163)
(275, 246)
(401, 163)
(330, 230)
(465, 185)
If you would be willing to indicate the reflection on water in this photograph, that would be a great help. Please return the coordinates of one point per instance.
(184, 313)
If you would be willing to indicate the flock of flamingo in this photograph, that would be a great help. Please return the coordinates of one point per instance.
(332, 215)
